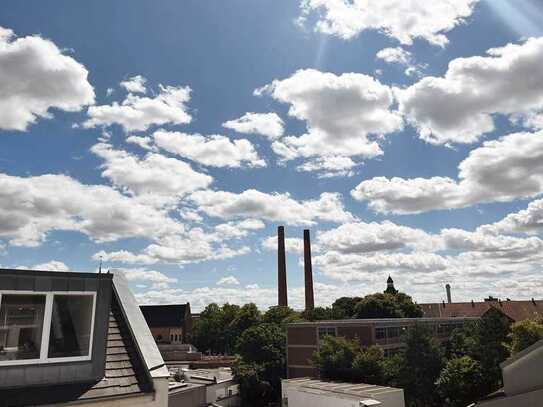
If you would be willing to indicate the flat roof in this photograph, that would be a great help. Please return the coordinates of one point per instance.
(48, 273)
(379, 321)
(343, 388)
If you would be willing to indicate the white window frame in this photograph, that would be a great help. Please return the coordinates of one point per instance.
(46, 330)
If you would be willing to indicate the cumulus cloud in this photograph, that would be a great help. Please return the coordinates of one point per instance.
(138, 113)
(230, 280)
(215, 151)
(157, 279)
(292, 244)
(36, 76)
(499, 171)
(31, 207)
(273, 207)
(399, 19)
(458, 107)
(327, 167)
(269, 125)
(342, 114)
(144, 142)
(155, 176)
(529, 220)
(53, 265)
(396, 55)
(135, 84)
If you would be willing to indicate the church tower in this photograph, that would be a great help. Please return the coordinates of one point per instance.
(390, 286)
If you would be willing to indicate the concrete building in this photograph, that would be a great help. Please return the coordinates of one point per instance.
(304, 338)
(169, 324)
(76, 338)
(522, 380)
(220, 388)
(305, 392)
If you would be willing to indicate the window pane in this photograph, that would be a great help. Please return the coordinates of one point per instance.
(21, 326)
(70, 326)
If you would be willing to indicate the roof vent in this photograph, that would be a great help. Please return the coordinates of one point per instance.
(472, 303)
(533, 302)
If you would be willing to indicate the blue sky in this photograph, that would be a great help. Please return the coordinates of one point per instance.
(366, 110)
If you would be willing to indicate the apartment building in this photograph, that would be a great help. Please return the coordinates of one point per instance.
(304, 338)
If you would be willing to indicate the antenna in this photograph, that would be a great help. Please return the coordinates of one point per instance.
(100, 266)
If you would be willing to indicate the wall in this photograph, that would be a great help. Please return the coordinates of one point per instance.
(194, 397)
(55, 373)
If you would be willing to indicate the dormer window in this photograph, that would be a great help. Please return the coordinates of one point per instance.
(37, 328)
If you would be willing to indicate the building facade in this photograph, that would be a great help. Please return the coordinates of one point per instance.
(169, 324)
(304, 338)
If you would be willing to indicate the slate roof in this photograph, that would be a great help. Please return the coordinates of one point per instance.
(158, 316)
(515, 310)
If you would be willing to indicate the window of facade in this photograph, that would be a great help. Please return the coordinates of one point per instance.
(326, 331)
(45, 327)
(380, 333)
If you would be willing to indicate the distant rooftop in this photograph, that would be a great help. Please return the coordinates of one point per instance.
(158, 316)
(379, 321)
(352, 389)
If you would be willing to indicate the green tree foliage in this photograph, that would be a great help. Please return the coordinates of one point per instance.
(489, 345)
(208, 332)
(263, 347)
(321, 314)
(254, 389)
(524, 334)
(368, 366)
(384, 305)
(344, 306)
(334, 360)
(460, 382)
(280, 316)
(420, 365)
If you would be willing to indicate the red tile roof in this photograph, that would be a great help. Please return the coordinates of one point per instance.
(515, 310)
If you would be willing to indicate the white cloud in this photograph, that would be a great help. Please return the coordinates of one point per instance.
(499, 171)
(53, 265)
(396, 55)
(292, 244)
(156, 278)
(458, 107)
(274, 207)
(341, 113)
(215, 151)
(230, 280)
(404, 20)
(135, 84)
(529, 220)
(35, 76)
(30, 207)
(144, 142)
(330, 166)
(138, 113)
(269, 125)
(155, 177)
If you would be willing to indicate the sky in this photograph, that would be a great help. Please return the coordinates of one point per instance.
(170, 139)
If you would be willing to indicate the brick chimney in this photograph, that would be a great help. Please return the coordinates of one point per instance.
(308, 273)
(282, 300)
(448, 288)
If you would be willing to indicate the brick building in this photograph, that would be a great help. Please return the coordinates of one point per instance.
(169, 324)
(303, 338)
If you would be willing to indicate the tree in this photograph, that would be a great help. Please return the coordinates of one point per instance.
(208, 331)
(344, 306)
(460, 382)
(254, 390)
(524, 334)
(420, 365)
(280, 315)
(320, 314)
(368, 366)
(335, 358)
(246, 317)
(489, 345)
(263, 346)
(386, 305)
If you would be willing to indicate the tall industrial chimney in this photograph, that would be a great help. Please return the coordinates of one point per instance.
(282, 299)
(448, 288)
(308, 272)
